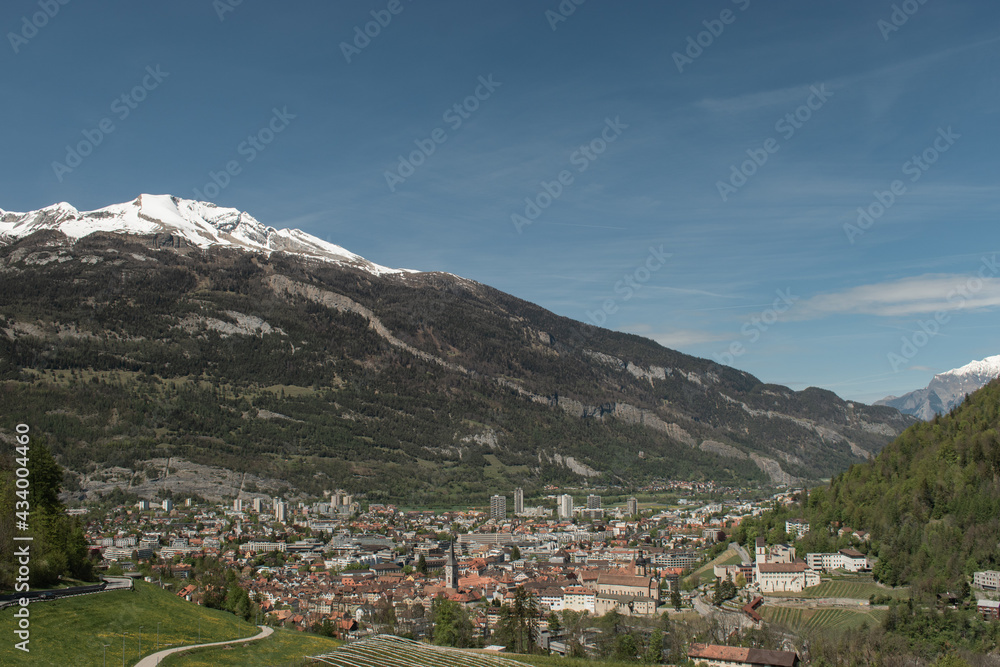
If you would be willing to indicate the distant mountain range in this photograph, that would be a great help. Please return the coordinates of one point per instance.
(946, 390)
(165, 329)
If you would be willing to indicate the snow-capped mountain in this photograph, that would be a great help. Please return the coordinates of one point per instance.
(946, 390)
(202, 224)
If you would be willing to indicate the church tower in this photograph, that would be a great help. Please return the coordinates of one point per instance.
(451, 568)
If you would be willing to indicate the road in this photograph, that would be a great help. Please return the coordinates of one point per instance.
(154, 659)
(109, 584)
(744, 556)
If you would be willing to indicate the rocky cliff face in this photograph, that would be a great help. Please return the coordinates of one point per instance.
(129, 349)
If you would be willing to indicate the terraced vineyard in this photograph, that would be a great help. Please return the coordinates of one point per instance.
(830, 618)
(391, 651)
(855, 590)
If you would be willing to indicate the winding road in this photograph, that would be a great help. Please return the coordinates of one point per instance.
(154, 659)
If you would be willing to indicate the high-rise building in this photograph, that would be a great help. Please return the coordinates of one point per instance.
(281, 510)
(237, 504)
(258, 505)
(518, 501)
(168, 504)
(593, 502)
(632, 507)
(566, 506)
(498, 507)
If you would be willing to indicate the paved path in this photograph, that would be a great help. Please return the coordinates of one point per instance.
(154, 659)
(744, 556)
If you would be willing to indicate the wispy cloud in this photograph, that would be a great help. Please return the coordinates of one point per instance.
(675, 338)
(918, 295)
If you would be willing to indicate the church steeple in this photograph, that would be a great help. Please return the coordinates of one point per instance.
(451, 568)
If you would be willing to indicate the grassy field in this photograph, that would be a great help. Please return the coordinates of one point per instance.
(845, 588)
(829, 618)
(499, 471)
(283, 648)
(73, 631)
(727, 557)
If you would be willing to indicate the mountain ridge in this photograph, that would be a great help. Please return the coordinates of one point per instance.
(946, 390)
(426, 380)
(202, 224)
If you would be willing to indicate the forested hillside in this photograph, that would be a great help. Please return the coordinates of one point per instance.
(409, 387)
(931, 499)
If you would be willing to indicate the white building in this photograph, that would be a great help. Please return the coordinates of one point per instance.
(518, 501)
(796, 528)
(565, 506)
(785, 577)
(579, 598)
(263, 547)
(988, 580)
(167, 505)
(850, 560)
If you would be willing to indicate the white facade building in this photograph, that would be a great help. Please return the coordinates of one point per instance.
(987, 580)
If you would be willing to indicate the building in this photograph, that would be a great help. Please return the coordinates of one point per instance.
(713, 534)
(785, 577)
(731, 656)
(237, 504)
(579, 598)
(593, 502)
(518, 501)
(143, 505)
(990, 609)
(797, 528)
(451, 569)
(988, 580)
(627, 584)
(486, 538)
(632, 507)
(565, 506)
(498, 508)
(850, 560)
(674, 559)
(263, 547)
(167, 505)
(258, 505)
(281, 510)
(117, 553)
(760, 550)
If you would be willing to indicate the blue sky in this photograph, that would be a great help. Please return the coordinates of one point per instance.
(822, 105)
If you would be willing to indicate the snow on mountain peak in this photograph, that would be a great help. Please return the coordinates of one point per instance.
(989, 367)
(202, 224)
(946, 390)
